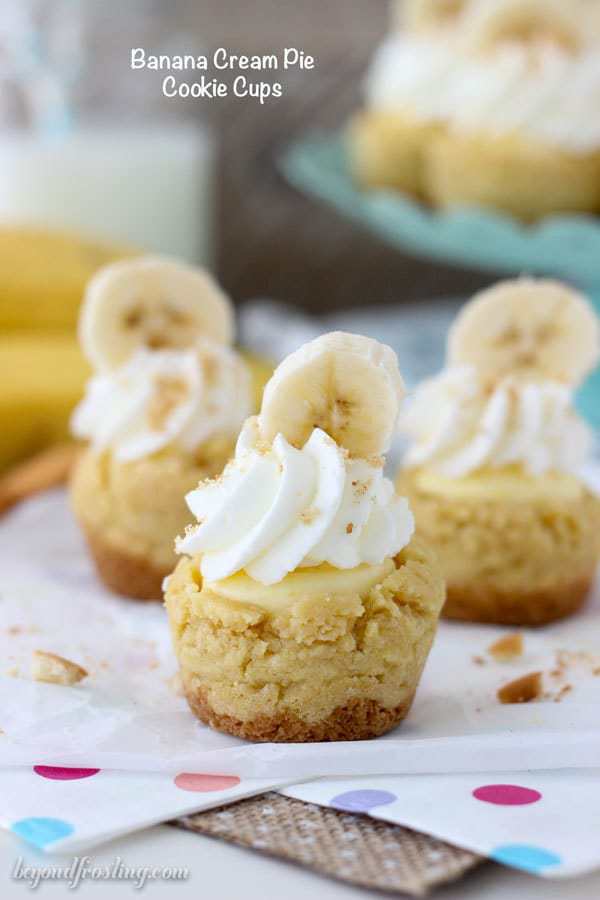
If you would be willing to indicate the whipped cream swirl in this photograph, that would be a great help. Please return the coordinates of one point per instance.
(458, 426)
(276, 508)
(550, 94)
(164, 397)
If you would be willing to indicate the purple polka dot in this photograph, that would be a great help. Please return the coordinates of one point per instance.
(63, 773)
(506, 794)
(361, 801)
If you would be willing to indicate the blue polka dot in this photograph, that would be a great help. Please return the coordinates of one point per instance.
(361, 801)
(525, 856)
(42, 831)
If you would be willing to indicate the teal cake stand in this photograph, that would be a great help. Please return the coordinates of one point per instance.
(564, 246)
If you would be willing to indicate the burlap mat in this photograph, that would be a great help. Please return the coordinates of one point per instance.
(349, 847)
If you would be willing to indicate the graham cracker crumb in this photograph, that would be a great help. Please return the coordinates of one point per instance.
(565, 689)
(507, 648)
(54, 669)
(522, 690)
(170, 393)
(309, 515)
(176, 685)
(349, 528)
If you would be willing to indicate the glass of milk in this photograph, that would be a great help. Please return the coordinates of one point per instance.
(150, 186)
(85, 146)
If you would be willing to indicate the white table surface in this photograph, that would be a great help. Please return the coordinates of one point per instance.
(219, 871)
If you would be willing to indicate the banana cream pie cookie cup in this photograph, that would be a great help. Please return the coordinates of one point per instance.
(487, 103)
(303, 608)
(529, 144)
(161, 413)
(493, 472)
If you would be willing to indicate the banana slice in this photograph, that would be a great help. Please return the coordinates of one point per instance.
(420, 15)
(528, 22)
(153, 302)
(346, 384)
(532, 328)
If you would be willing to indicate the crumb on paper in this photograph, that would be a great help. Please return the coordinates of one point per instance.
(565, 689)
(506, 648)
(521, 690)
(479, 660)
(54, 669)
(176, 685)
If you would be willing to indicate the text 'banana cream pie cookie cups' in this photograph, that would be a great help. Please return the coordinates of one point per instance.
(303, 608)
(493, 472)
(161, 412)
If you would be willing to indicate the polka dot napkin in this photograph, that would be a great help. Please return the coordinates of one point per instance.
(545, 823)
(60, 809)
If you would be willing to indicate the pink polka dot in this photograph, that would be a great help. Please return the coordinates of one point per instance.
(506, 794)
(62, 773)
(190, 781)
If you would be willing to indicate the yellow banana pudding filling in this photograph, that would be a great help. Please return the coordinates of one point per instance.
(303, 609)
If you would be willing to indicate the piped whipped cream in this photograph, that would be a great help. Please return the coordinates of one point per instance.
(276, 508)
(165, 397)
(550, 94)
(459, 426)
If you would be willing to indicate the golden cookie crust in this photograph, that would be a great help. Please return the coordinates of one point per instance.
(337, 667)
(527, 608)
(506, 561)
(526, 179)
(358, 720)
(387, 150)
(122, 573)
(132, 512)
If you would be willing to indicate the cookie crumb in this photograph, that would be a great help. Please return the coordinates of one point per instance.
(175, 684)
(521, 690)
(54, 669)
(565, 689)
(507, 648)
(478, 660)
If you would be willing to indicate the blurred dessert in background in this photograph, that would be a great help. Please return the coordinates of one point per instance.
(490, 103)
(161, 412)
(493, 473)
